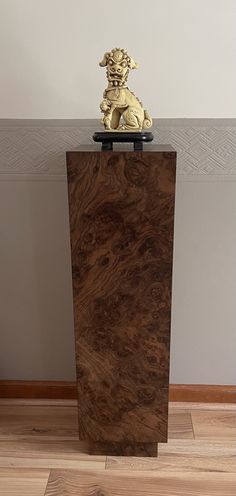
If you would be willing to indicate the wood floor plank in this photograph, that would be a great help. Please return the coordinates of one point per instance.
(214, 424)
(23, 482)
(80, 464)
(40, 447)
(38, 420)
(180, 424)
(61, 420)
(36, 437)
(202, 406)
(183, 456)
(67, 402)
(109, 483)
(40, 453)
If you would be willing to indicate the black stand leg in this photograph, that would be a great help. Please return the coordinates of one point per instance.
(107, 145)
(138, 145)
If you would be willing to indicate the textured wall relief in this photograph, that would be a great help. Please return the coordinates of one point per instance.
(37, 148)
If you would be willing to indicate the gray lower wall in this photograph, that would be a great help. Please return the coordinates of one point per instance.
(36, 333)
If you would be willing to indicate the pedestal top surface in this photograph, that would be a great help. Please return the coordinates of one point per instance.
(121, 147)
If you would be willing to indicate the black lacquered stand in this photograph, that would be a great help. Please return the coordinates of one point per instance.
(107, 138)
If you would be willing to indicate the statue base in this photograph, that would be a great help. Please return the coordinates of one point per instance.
(107, 138)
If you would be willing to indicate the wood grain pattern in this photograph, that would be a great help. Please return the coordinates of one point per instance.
(121, 220)
(180, 424)
(212, 425)
(57, 419)
(38, 420)
(175, 406)
(23, 482)
(125, 448)
(48, 453)
(110, 483)
(183, 467)
(183, 456)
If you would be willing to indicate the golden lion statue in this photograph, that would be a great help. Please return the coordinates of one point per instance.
(118, 101)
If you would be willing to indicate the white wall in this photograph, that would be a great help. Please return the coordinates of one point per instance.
(50, 49)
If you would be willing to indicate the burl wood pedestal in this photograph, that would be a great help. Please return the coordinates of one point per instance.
(121, 221)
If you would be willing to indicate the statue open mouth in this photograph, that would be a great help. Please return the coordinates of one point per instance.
(113, 77)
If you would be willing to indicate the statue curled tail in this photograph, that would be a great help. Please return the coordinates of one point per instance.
(147, 120)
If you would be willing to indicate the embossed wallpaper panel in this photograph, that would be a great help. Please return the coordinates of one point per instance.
(37, 148)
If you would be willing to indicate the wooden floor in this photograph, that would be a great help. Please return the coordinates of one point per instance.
(40, 454)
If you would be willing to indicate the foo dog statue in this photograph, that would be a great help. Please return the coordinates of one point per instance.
(118, 101)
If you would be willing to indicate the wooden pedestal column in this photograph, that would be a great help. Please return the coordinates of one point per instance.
(121, 221)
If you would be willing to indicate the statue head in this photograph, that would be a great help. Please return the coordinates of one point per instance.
(118, 63)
